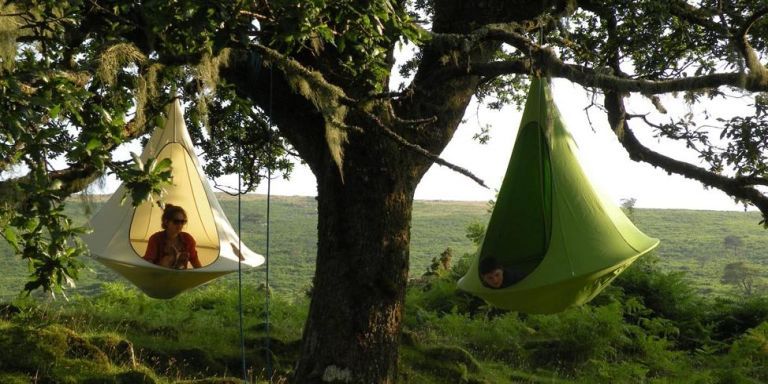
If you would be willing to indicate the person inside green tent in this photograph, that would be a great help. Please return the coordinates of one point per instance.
(171, 247)
(495, 275)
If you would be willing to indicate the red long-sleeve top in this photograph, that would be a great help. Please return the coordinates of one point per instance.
(156, 247)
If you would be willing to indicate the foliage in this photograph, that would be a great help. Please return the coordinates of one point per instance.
(617, 338)
(234, 128)
(440, 265)
(730, 318)
(748, 355)
(437, 225)
(57, 354)
(147, 181)
(47, 238)
(628, 206)
(362, 33)
(171, 338)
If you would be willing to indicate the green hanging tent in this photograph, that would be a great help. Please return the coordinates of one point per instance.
(550, 223)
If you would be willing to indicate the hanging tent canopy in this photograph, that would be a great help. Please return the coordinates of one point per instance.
(121, 232)
(550, 223)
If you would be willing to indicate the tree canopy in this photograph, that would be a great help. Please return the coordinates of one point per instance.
(267, 80)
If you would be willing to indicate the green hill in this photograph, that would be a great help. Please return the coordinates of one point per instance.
(691, 241)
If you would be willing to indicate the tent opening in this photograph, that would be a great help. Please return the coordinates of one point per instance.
(521, 244)
(187, 192)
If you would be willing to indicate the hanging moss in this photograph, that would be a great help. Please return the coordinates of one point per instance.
(9, 32)
(326, 97)
(114, 58)
(207, 73)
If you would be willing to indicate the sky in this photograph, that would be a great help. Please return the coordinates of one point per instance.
(604, 160)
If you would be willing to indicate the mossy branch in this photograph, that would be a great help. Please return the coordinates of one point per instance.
(332, 102)
(329, 99)
(758, 72)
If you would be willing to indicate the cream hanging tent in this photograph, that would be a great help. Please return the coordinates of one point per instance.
(121, 232)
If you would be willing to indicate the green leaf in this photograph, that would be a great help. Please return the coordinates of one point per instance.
(164, 164)
(54, 111)
(92, 144)
(137, 161)
(150, 165)
(10, 235)
(140, 193)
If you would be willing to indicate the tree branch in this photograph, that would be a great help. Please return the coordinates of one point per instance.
(316, 79)
(742, 44)
(545, 60)
(617, 118)
(736, 187)
(73, 179)
(589, 78)
(696, 16)
(421, 151)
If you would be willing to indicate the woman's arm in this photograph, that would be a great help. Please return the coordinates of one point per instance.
(151, 254)
(191, 246)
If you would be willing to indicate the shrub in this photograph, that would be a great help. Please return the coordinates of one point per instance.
(732, 318)
(748, 356)
(664, 295)
(573, 337)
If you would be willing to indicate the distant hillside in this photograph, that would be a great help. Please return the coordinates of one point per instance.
(691, 241)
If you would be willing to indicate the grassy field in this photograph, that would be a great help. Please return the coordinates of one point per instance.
(691, 241)
(646, 327)
(694, 242)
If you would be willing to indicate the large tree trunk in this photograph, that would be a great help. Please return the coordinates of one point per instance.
(352, 332)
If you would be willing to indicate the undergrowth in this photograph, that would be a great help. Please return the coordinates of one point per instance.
(648, 327)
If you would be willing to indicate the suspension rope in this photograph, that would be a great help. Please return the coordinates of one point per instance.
(239, 262)
(266, 256)
(267, 291)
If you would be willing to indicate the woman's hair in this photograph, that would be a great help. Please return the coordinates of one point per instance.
(170, 212)
(488, 264)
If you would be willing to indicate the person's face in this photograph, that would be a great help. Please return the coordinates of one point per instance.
(494, 278)
(176, 223)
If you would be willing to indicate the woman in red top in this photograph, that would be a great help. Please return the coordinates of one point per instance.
(172, 248)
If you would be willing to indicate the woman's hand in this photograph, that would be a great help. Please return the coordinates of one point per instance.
(181, 260)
